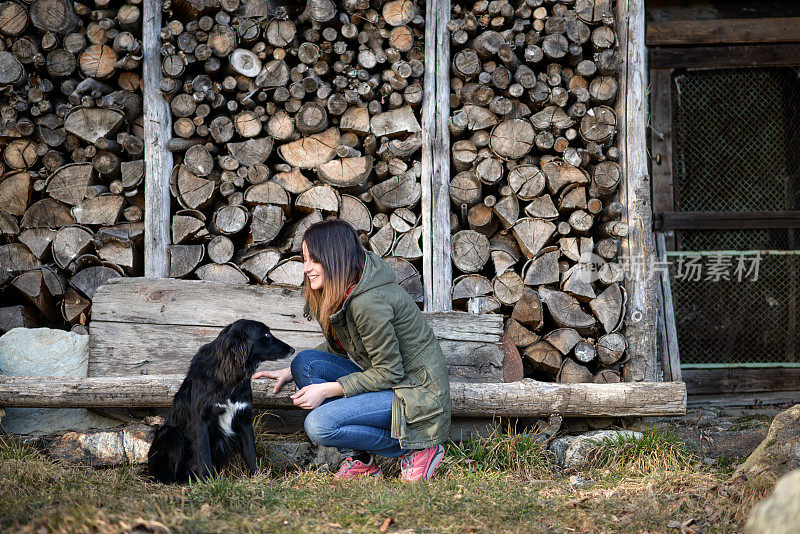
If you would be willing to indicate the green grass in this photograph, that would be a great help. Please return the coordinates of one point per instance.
(500, 483)
(656, 451)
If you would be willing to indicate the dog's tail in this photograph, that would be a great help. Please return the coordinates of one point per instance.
(166, 459)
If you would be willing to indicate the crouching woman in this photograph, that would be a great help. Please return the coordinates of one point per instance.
(379, 384)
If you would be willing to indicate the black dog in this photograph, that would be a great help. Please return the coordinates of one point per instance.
(212, 412)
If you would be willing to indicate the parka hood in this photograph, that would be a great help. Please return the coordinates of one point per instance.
(376, 273)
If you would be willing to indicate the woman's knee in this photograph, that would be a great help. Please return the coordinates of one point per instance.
(300, 363)
(318, 427)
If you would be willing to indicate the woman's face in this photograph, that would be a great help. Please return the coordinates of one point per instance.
(313, 270)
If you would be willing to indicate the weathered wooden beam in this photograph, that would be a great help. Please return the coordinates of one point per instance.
(726, 220)
(661, 140)
(723, 31)
(437, 272)
(718, 57)
(671, 360)
(158, 160)
(637, 250)
(527, 398)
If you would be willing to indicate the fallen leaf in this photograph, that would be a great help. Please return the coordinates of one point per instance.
(389, 521)
(205, 510)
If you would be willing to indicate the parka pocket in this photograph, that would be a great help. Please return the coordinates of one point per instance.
(418, 404)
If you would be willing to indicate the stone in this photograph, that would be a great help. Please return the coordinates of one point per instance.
(104, 449)
(559, 448)
(287, 454)
(779, 453)
(47, 352)
(780, 512)
(573, 451)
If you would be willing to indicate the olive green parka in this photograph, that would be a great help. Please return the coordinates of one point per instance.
(386, 335)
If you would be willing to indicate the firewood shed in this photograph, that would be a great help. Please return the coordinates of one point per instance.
(494, 153)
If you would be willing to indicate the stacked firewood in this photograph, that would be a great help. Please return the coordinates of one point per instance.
(283, 118)
(71, 199)
(535, 222)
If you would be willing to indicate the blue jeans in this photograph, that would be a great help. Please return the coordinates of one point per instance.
(353, 424)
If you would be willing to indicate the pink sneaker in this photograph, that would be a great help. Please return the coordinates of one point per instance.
(419, 465)
(356, 469)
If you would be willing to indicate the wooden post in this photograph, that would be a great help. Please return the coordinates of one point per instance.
(661, 145)
(437, 271)
(671, 356)
(637, 250)
(158, 160)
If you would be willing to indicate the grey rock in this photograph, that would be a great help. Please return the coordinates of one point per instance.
(286, 454)
(46, 352)
(579, 482)
(779, 453)
(780, 512)
(573, 451)
(559, 448)
(103, 449)
(326, 459)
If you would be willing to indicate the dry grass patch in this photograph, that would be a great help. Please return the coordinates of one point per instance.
(503, 483)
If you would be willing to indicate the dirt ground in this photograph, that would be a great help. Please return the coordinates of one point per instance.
(722, 434)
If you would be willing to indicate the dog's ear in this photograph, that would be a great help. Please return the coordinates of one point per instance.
(239, 347)
(233, 352)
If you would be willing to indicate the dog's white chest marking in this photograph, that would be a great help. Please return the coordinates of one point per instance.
(226, 418)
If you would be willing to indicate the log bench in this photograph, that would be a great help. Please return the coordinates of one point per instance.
(144, 332)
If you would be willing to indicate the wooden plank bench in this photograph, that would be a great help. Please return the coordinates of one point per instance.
(144, 332)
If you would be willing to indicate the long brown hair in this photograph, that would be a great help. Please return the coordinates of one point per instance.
(333, 244)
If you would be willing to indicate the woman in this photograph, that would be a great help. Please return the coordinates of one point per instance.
(393, 398)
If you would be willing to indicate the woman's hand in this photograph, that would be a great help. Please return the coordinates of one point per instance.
(282, 376)
(313, 395)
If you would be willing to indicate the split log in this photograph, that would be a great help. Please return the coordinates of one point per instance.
(288, 273)
(574, 373)
(543, 269)
(566, 311)
(90, 124)
(610, 348)
(408, 277)
(397, 192)
(544, 358)
(225, 273)
(184, 259)
(345, 172)
(608, 307)
(519, 335)
(470, 251)
(260, 264)
(47, 213)
(15, 193)
(532, 235)
(267, 222)
(312, 151)
(469, 286)
(69, 243)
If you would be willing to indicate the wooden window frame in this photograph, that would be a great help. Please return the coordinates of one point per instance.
(663, 62)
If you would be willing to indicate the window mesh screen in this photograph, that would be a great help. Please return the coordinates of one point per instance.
(727, 316)
(736, 148)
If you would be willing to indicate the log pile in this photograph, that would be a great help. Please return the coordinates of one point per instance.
(71, 199)
(282, 118)
(535, 221)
